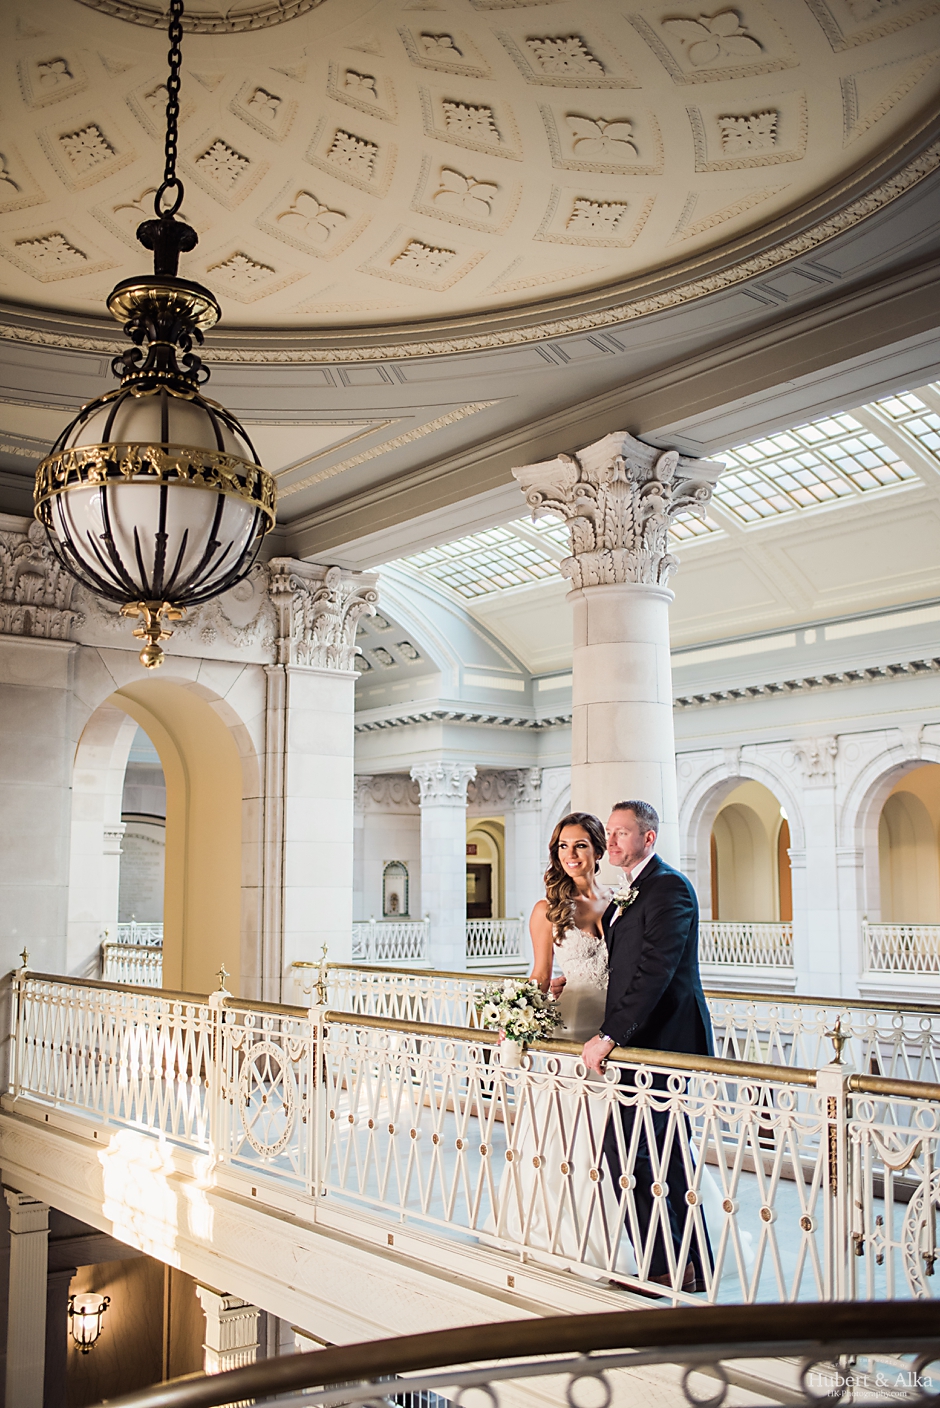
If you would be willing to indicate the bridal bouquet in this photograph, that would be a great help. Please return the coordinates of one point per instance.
(518, 1009)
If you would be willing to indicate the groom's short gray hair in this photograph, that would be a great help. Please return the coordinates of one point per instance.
(647, 816)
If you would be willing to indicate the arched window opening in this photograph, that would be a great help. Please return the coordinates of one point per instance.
(395, 898)
(143, 845)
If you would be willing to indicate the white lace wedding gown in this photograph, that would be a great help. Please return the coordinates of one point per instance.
(556, 1196)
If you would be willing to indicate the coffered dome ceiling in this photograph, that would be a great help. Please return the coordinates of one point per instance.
(351, 163)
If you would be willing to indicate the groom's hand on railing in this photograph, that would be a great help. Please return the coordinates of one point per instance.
(595, 1053)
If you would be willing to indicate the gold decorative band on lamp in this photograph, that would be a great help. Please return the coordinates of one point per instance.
(175, 298)
(93, 465)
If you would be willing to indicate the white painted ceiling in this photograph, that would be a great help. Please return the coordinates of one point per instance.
(362, 163)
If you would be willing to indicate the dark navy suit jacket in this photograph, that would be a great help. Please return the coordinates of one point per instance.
(654, 991)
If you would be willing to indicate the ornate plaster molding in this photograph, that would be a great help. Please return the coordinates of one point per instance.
(318, 610)
(443, 784)
(641, 297)
(618, 498)
(506, 787)
(206, 19)
(817, 758)
(386, 792)
(35, 591)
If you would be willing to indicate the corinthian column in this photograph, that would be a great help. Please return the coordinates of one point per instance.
(444, 859)
(618, 498)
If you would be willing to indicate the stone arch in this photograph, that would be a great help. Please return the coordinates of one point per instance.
(212, 891)
(860, 814)
(704, 800)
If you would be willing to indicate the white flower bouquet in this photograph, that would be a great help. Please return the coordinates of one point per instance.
(518, 1009)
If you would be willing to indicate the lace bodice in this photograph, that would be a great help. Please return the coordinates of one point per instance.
(582, 957)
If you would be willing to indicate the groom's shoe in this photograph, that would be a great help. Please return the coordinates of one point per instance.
(689, 1282)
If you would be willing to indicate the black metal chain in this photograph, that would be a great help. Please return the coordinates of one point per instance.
(175, 59)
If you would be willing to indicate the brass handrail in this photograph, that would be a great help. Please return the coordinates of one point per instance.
(632, 1055)
(787, 1330)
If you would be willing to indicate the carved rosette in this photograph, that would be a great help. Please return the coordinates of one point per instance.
(318, 611)
(443, 784)
(618, 498)
(35, 591)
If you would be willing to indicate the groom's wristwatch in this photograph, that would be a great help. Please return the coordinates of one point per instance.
(604, 1037)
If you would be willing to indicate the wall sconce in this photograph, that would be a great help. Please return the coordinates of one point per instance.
(85, 1320)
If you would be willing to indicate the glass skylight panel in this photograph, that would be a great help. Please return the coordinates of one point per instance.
(483, 563)
(915, 418)
(812, 464)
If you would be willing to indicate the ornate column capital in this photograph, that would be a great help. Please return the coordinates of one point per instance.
(318, 609)
(443, 784)
(35, 590)
(618, 498)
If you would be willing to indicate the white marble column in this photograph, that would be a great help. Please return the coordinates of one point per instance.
(525, 861)
(26, 1321)
(444, 859)
(231, 1331)
(618, 497)
(311, 701)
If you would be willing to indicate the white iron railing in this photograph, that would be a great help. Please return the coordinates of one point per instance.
(901, 948)
(490, 940)
(899, 1040)
(138, 965)
(746, 944)
(788, 1183)
(390, 941)
(133, 932)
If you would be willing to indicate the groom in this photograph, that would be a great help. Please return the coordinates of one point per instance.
(654, 1000)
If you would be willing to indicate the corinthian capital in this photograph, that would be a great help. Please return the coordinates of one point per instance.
(618, 498)
(443, 784)
(318, 608)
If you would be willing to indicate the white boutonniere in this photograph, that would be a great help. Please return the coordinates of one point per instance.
(624, 897)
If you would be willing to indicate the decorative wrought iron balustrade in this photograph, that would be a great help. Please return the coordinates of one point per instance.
(794, 1183)
(901, 948)
(746, 944)
(877, 1355)
(494, 940)
(390, 941)
(143, 935)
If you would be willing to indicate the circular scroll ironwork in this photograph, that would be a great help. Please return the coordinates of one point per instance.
(202, 18)
(267, 1100)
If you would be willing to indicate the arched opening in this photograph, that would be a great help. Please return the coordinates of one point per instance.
(908, 850)
(486, 878)
(143, 845)
(211, 851)
(750, 860)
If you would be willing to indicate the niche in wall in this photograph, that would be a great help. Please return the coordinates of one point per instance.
(395, 898)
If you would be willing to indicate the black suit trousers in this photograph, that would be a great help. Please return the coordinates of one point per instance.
(645, 1176)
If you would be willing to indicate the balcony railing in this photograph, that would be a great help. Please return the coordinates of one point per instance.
(133, 932)
(745, 944)
(901, 948)
(494, 941)
(889, 1351)
(805, 1184)
(139, 965)
(390, 941)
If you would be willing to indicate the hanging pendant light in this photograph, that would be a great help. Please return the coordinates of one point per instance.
(153, 496)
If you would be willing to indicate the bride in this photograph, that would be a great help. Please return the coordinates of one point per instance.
(556, 1197)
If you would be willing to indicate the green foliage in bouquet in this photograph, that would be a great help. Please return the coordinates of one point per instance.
(518, 1008)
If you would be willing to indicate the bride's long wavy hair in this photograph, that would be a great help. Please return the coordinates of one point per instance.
(560, 890)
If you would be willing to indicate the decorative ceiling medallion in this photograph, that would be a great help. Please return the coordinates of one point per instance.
(204, 17)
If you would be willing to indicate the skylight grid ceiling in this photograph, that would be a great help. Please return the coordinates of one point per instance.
(830, 459)
(484, 563)
(917, 419)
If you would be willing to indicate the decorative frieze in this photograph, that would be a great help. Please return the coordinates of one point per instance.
(443, 784)
(386, 792)
(35, 592)
(505, 787)
(619, 497)
(318, 609)
(817, 758)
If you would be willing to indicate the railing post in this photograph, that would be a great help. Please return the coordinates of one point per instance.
(217, 1093)
(832, 1088)
(317, 1129)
